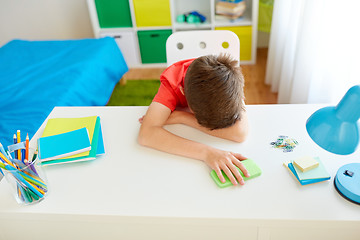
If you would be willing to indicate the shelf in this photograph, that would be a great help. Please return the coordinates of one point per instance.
(112, 30)
(154, 28)
(161, 15)
(190, 26)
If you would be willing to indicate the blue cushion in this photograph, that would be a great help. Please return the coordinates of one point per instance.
(36, 76)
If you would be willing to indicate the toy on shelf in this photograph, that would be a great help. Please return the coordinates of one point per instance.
(191, 17)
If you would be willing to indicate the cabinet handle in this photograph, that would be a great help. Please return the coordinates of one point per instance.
(154, 35)
(118, 36)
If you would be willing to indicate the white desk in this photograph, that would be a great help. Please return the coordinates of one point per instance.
(133, 192)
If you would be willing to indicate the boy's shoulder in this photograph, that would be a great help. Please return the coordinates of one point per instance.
(176, 72)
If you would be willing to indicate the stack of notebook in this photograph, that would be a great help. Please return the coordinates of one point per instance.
(231, 9)
(308, 170)
(67, 140)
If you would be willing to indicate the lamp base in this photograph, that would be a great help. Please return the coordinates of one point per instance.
(347, 182)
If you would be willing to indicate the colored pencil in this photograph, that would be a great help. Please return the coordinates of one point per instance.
(6, 160)
(18, 137)
(2, 149)
(27, 147)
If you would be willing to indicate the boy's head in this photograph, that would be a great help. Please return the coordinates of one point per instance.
(214, 91)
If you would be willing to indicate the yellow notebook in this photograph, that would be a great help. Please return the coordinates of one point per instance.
(61, 125)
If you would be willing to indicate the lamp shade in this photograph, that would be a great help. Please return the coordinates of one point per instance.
(336, 129)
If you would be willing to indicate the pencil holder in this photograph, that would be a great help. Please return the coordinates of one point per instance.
(27, 180)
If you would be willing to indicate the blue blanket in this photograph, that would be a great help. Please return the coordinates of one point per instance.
(36, 76)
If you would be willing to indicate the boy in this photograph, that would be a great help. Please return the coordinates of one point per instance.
(212, 88)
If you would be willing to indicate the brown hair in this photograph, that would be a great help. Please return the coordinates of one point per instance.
(213, 88)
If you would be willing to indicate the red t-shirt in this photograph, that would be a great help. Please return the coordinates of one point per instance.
(169, 93)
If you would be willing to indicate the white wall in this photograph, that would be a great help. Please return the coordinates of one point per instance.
(44, 20)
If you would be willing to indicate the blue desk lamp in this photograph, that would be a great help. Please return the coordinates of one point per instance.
(336, 129)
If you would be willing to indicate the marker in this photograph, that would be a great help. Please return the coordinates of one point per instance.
(35, 155)
(34, 180)
(22, 180)
(8, 154)
(34, 196)
(26, 194)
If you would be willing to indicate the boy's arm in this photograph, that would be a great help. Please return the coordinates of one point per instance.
(237, 132)
(152, 134)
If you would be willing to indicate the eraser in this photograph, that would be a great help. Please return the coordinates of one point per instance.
(249, 164)
(306, 163)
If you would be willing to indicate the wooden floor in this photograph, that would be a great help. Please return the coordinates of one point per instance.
(256, 91)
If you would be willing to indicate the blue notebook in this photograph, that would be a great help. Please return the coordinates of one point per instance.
(97, 148)
(64, 144)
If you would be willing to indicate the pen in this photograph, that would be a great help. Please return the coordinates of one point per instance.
(15, 152)
(23, 152)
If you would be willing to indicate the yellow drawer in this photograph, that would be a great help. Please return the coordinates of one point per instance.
(152, 13)
(244, 33)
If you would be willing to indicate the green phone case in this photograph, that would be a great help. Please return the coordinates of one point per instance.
(249, 164)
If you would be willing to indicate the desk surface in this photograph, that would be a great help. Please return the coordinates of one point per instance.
(131, 180)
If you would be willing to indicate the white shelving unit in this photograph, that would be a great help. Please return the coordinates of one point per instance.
(131, 45)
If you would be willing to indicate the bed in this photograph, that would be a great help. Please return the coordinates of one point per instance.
(36, 76)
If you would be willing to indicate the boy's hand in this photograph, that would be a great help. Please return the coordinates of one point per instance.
(226, 161)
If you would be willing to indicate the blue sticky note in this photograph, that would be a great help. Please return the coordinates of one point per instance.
(305, 181)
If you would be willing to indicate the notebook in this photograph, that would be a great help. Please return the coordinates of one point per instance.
(64, 144)
(61, 125)
(96, 139)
